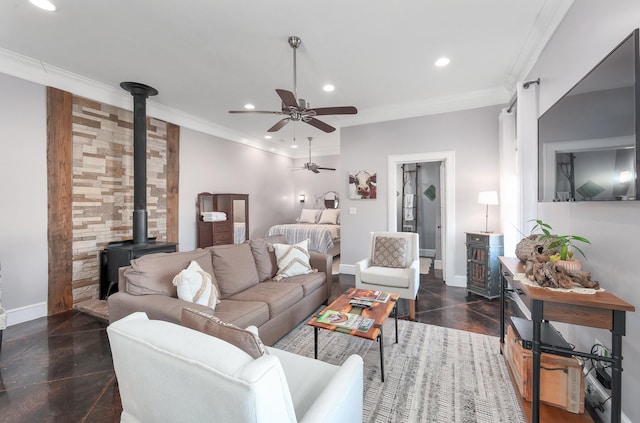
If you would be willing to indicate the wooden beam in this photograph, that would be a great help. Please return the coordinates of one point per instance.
(59, 188)
(173, 181)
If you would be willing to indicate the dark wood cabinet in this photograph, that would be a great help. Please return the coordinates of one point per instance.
(483, 269)
(235, 229)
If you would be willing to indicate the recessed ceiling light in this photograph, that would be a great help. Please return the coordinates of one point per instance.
(267, 137)
(43, 4)
(249, 106)
(443, 61)
(328, 88)
(294, 145)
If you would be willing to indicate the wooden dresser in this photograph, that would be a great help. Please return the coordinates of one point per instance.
(236, 208)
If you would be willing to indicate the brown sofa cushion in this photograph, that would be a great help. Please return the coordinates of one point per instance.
(246, 340)
(153, 273)
(234, 268)
(265, 259)
(278, 296)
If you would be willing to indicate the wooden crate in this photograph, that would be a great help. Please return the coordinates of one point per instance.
(562, 382)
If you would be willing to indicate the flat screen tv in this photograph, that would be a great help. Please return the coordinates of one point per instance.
(588, 140)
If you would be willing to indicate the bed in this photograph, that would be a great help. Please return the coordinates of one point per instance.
(323, 238)
(321, 227)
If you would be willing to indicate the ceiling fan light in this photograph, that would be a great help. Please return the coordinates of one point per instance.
(328, 88)
(267, 137)
(443, 61)
(294, 145)
(249, 106)
(44, 5)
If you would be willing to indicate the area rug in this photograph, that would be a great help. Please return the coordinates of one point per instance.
(433, 374)
(425, 265)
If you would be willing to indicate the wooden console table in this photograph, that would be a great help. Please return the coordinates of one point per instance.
(600, 310)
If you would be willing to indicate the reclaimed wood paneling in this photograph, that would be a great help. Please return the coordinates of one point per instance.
(173, 181)
(59, 187)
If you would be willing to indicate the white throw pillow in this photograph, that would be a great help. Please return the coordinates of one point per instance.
(308, 216)
(329, 217)
(194, 285)
(292, 260)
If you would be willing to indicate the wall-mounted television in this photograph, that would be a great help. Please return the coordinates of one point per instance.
(588, 140)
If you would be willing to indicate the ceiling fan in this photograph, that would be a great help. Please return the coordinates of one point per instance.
(297, 109)
(312, 166)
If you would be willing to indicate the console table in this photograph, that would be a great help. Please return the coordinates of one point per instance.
(600, 310)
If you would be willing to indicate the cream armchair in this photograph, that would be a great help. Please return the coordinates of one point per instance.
(170, 373)
(378, 272)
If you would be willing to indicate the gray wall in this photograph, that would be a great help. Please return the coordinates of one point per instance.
(23, 190)
(471, 134)
(314, 185)
(588, 33)
(212, 164)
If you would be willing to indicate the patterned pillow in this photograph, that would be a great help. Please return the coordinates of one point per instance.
(389, 252)
(244, 339)
(292, 260)
(194, 285)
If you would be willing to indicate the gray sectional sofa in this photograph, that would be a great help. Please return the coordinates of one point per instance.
(243, 274)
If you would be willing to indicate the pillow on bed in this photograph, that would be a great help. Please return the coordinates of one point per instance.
(309, 216)
(329, 217)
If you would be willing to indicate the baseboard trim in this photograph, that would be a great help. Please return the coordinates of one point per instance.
(348, 269)
(26, 313)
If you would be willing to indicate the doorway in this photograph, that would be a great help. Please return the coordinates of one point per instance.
(443, 232)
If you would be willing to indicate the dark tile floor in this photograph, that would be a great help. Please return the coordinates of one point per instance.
(59, 368)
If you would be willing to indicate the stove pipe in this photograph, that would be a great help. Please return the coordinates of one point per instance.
(140, 92)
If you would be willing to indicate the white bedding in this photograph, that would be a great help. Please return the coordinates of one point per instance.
(322, 238)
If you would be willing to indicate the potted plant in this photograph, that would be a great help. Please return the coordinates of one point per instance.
(565, 244)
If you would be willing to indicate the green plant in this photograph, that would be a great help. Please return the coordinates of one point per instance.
(564, 242)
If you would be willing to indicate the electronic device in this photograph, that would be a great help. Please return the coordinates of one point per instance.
(548, 334)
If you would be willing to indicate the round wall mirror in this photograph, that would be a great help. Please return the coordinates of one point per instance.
(331, 200)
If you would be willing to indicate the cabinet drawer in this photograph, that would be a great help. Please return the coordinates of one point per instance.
(223, 238)
(477, 239)
(222, 227)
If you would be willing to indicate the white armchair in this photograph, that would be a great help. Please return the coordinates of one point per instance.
(404, 280)
(170, 373)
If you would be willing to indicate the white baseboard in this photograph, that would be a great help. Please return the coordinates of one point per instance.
(427, 252)
(458, 281)
(26, 313)
(348, 269)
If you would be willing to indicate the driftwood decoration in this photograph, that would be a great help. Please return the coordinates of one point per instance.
(543, 271)
(532, 245)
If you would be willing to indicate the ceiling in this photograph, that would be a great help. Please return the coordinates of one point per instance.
(208, 57)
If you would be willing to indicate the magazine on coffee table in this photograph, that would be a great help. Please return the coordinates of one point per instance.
(345, 320)
(370, 295)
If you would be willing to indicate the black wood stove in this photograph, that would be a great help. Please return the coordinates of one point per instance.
(120, 253)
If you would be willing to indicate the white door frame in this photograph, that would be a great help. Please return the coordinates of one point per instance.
(447, 191)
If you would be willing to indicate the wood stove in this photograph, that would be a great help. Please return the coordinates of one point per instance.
(120, 253)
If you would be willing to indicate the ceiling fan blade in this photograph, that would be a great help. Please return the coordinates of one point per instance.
(325, 168)
(268, 112)
(319, 124)
(342, 110)
(278, 125)
(287, 97)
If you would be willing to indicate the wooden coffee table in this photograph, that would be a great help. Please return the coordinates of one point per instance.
(378, 312)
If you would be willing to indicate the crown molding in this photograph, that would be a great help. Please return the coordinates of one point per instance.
(38, 72)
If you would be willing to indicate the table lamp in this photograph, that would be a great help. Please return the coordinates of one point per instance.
(487, 198)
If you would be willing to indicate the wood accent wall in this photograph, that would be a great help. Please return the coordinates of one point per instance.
(90, 189)
(173, 181)
(59, 191)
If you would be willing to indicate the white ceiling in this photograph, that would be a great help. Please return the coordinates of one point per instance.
(206, 57)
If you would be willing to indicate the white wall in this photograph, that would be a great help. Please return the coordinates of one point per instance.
(314, 185)
(23, 194)
(212, 164)
(472, 134)
(591, 29)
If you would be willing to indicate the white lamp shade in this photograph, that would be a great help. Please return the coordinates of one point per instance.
(488, 198)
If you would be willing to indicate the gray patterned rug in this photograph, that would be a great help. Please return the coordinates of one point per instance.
(433, 374)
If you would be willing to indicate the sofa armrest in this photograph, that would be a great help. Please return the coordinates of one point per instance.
(322, 262)
(341, 399)
(157, 307)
